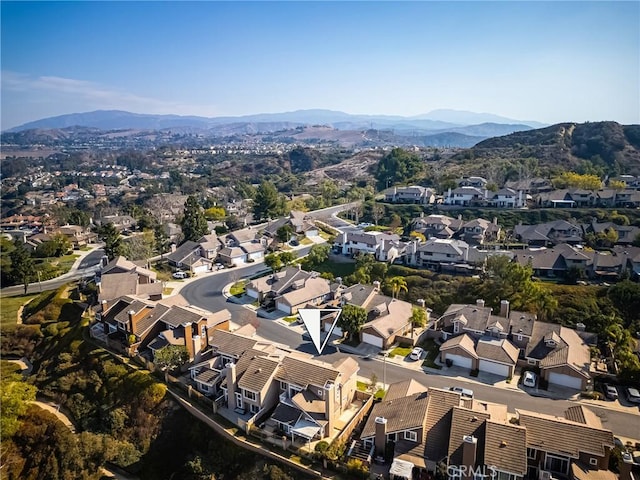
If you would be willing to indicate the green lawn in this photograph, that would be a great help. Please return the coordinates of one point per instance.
(54, 266)
(400, 352)
(432, 350)
(362, 386)
(338, 269)
(291, 319)
(238, 289)
(306, 241)
(9, 309)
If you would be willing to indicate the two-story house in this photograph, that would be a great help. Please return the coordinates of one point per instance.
(413, 194)
(359, 243)
(479, 231)
(508, 198)
(435, 252)
(547, 234)
(122, 277)
(466, 196)
(437, 226)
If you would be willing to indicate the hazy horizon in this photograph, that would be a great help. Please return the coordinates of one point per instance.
(531, 61)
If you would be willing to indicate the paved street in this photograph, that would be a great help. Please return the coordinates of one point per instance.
(207, 293)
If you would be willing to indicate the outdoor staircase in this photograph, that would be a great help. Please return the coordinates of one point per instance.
(359, 451)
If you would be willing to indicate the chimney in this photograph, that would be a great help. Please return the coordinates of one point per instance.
(459, 216)
(421, 214)
(105, 306)
(580, 327)
(421, 303)
(380, 442)
(376, 285)
(196, 346)
(188, 341)
(469, 447)
(339, 280)
(495, 220)
(131, 313)
(330, 408)
(231, 384)
(626, 466)
(504, 308)
(480, 302)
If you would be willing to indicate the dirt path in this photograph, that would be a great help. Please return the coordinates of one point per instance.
(21, 309)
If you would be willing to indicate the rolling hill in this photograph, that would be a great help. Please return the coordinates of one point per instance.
(609, 145)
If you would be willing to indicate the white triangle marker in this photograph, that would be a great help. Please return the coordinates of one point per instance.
(311, 317)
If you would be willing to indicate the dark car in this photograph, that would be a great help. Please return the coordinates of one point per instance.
(610, 391)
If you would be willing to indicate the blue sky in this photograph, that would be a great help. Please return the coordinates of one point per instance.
(544, 61)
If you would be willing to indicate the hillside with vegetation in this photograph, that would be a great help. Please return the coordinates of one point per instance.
(606, 147)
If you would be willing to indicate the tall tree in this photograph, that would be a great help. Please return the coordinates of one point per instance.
(194, 223)
(397, 285)
(267, 203)
(171, 357)
(22, 267)
(398, 166)
(273, 261)
(287, 258)
(112, 241)
(318, 255)
(352, 319)
(418, 318)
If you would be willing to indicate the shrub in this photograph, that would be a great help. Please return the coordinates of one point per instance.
(357, 468)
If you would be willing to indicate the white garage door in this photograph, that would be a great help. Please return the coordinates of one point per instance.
(372, 340)
(565, 380)
(495, 368)
(200, 269)
(459, 360)
(336, 330)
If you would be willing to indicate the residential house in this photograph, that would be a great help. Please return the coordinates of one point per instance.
(131, 325)
(387, 317)
(437, 226)
(466, 196)
(475, 338)
(626, 233)
(78, 236)
(530, 185)
(413, 194)
(289, 290)
(508, 198)
(477, 182)
(631, 257)
(305, 397)
(479, 231)
(241, 246)
(358, 243)
(425, 429)
(566, 198)
(121, 222)
(188, 256)
(562, 354)
(575, 445)
(435, 252)
(313, 395)
(121, 277)
(547, 234)
(555, 262)
(299, 222)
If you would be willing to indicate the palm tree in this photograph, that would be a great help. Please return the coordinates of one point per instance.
(397, 285)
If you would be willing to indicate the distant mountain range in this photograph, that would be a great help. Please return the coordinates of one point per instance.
(437, 121)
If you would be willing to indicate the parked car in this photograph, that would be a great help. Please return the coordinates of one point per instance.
(218, 266)
(610, 391)
(416, 353)
(180, 275)
(464, 392)
(529, 379)
(633, 395)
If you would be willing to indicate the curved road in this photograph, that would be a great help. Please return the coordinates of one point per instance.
(207, 293)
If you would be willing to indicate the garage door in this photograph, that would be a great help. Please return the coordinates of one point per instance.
(336, 330)
(372, 340)
(565, 380)
(459, 360)
(200, 269)
(495, 368)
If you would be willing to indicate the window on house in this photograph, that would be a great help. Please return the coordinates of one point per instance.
(556, 464)
(456, 327)
(391, 437)
(531, 362)
(593, 461)
(454, 473)
(283, 385)
(520, 337)
(250, 395)
(412, 436)
(203, 331)
(531, 453)
(253, 408)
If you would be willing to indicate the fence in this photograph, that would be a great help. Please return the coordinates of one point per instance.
(355, 421)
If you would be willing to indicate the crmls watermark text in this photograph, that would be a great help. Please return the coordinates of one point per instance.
(471, 471)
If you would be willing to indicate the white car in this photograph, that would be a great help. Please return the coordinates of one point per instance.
(416, 353)
(529, 379)
(180, 275)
